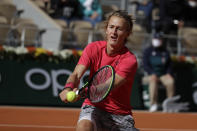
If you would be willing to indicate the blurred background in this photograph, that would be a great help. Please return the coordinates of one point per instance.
(42, 40)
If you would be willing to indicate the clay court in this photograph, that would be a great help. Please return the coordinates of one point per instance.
(13, 118)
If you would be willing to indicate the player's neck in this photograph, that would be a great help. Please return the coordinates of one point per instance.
(112, 51)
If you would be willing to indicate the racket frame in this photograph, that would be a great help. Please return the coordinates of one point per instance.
(86, 85)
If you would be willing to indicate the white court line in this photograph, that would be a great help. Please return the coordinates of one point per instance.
(35, 126)
(159, 129)
(73, 127)
(41, 108)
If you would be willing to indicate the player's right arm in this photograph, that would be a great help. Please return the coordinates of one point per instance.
(74, 78)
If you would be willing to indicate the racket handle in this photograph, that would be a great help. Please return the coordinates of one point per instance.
(81, 93)
(77, 92)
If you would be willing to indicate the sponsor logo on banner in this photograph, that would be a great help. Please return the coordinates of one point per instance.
(51, 79)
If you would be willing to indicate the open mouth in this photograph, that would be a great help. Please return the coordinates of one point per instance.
(114, 38)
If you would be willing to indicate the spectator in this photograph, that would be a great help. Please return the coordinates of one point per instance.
(145, 6)
(157, 64)
(46, 7)
(53, 4)
(91, 11)
(155, 17)
(170, 12)
(67, 10)
(189, 14)
(141, 9)
(188, 27)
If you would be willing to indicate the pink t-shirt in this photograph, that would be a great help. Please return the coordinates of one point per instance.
(125, 65)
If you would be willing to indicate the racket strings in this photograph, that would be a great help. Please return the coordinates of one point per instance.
(100, 84)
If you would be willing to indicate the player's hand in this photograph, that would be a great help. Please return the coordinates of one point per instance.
(63, 94)
(77, 96)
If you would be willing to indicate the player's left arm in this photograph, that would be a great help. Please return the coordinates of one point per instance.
(119, 80)
(127, 67)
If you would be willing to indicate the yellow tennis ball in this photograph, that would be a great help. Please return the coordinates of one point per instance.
(71, 95)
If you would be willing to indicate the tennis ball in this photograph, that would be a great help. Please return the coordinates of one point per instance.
(70, 96)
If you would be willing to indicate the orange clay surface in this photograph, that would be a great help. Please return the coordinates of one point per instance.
(17, 118)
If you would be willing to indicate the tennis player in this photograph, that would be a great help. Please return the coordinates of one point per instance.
(113, 113)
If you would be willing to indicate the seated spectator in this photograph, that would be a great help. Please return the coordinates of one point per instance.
(170, 12)
(141, 10)
(189, 14)
(145, 7)
(92, 11)
(157, 64)
(188, 27)
(46, 5)
(67, 10)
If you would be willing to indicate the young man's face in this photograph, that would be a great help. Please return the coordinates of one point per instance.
(117, 31)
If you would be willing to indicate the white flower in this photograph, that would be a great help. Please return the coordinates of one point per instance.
(189, 59)
(65, 53)
(56, 53)
(9, 49)
(21, 50)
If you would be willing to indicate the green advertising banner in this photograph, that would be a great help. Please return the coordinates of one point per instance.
(33, 83)
(39, 83)
(35, 76)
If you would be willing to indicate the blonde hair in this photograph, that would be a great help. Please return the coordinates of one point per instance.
(122, 14)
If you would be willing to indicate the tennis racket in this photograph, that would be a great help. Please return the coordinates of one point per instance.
(99, 86)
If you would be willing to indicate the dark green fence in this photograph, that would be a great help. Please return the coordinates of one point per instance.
(38, 83)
